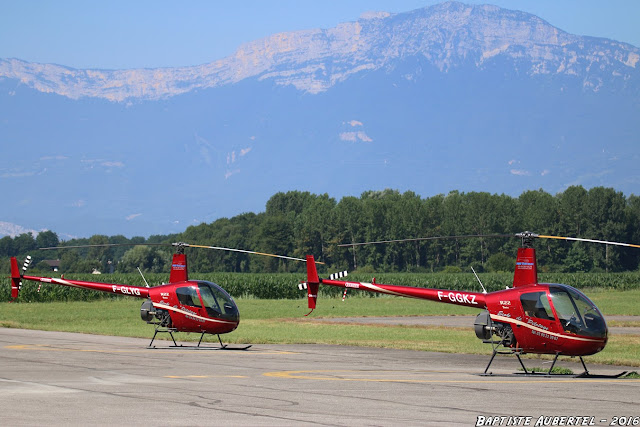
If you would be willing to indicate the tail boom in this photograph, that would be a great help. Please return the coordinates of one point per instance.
(134, 291)
(17, 278)
(468, 299)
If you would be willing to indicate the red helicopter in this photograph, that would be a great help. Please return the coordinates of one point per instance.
(182, 305)
(529, 317)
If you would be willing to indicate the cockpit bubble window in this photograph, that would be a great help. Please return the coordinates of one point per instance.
(187, 295)
(536, 304)
(577, 314)
(217, 302)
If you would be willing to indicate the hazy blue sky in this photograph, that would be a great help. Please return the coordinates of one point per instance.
(155, 33)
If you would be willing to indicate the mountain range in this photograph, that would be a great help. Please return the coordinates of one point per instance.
(447, 97)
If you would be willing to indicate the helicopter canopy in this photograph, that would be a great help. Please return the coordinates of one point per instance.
(576, 312)
(215, 300)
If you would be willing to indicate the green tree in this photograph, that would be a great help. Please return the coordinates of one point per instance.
(406, 218)
(47, 239)
(69, 259)
(539, 213)
(378, 208)
(88, 266)
(453, 224)
(571, 211)
(99, 254)
(117, 252)
(606, 208)
(501, 262)
(147, 258)
(433, 226)
(289, 203)
(6, 247)
(481, 218)
(276, 237)
(349, 229)
(631, 258)
(578, 259)
(24, 243)
(314, 228)
(239, 233)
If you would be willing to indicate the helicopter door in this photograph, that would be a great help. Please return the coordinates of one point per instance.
(536, 304)
(539, 318)
(190, 303)
(188, 296)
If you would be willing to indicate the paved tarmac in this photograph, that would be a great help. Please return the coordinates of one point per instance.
(57, 378)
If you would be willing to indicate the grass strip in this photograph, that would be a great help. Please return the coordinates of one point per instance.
(283, 322)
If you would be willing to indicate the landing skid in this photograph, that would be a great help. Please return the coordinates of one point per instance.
(222, 346)
(549, 373)
(170, 331)
(588, 375)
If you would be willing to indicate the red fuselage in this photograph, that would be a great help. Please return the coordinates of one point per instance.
(545, 318)
(194, 305)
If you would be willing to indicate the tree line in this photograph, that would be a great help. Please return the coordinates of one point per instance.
(298, 223)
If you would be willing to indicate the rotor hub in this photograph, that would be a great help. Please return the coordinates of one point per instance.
(527, 238)
(180, 247)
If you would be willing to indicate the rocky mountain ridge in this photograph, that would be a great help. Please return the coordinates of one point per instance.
(446, 35)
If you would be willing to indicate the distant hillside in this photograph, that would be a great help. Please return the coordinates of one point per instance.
(13, 230)
(446, 36)
(475, 98)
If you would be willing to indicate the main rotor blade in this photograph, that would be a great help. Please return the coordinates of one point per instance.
(104, 245)
(247, 252)
(179, 244)
(525, 234)
(589, 240)
(426, 238)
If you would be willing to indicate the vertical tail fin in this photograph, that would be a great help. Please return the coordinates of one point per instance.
(15, 278)
(313, 282)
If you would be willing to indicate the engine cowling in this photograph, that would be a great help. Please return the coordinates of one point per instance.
(147, 311)
(482, 325)
(485, 328)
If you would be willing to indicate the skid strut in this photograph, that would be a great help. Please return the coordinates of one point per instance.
(170, 331)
